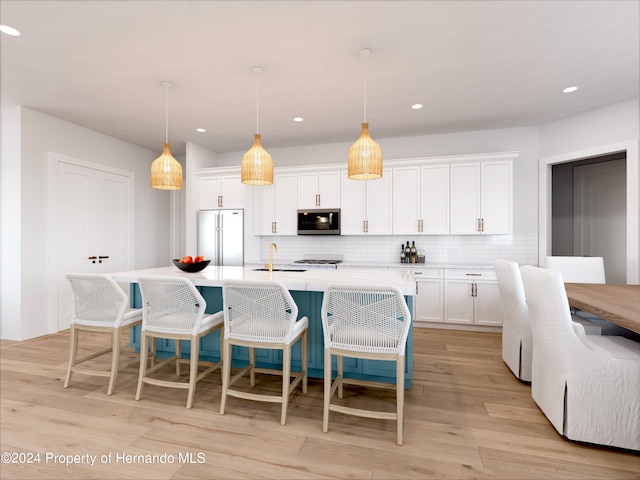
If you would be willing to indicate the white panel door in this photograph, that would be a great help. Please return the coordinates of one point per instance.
(465, 198)
(487, 305)
(378, 203)
(223, 191)
(434, 199)
(285, 208)
(264, 208)
(406, 200)
(428, 301)
(458, 301)
(329, 189)
(496, 197)
(353, 209)
(93, 227)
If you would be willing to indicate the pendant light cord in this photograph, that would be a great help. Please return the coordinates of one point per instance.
(364, 60)
(257, 101)
(166, 86)
(166, 114)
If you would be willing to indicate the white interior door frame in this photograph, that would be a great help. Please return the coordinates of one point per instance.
(51, 276)
(632, 149)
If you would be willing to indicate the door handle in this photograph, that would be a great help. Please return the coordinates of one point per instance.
(92, 258)
(100, 257)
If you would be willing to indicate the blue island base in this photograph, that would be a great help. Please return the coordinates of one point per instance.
(309, 305)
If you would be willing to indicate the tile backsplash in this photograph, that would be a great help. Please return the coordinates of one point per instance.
(439, 249)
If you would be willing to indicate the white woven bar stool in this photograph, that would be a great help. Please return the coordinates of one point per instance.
(262, 315)
(174, 309)
(99, 305)
(365, 322)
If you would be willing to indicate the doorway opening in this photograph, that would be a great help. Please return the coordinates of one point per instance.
(589, 211)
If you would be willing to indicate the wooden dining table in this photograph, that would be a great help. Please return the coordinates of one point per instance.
(620, 304)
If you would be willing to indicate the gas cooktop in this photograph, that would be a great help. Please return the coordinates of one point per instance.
(316, 261)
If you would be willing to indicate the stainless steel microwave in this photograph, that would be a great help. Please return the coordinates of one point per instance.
(319, 222)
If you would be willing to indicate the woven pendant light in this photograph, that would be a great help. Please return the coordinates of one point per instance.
(166, 171)
(365, 156)
(257, 164)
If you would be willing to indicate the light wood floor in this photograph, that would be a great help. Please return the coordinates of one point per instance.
(466, 417)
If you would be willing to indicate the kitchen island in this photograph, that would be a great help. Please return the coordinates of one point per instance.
(306, 287)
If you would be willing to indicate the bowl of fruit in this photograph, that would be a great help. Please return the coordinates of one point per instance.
(190, 264)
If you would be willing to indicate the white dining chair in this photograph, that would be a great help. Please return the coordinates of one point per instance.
(174, 309)
(586, 385)
(369, 323)
(575, 269)
(99, 305)
(262, 314)
(516, 328)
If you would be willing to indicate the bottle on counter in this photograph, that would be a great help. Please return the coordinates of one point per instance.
(407, 253)
(402, 255)
(414, 252)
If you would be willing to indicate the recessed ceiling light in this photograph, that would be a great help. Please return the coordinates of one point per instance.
(416, 106)
(9, 30)
(200, 130)
(570, 89)
(298, 119)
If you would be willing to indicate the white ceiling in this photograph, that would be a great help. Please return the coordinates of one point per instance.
(473, 64)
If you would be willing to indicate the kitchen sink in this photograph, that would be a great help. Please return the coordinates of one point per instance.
(279, 270)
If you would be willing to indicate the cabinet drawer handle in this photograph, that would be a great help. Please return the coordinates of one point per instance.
(482, 230)
(473, 274)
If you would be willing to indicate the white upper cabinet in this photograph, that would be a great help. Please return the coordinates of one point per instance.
(275, 211)
(220, 191)
(366, 205)
(481, 197)
(319, 189)
(406, 200)
(421, 200)
(496, 197)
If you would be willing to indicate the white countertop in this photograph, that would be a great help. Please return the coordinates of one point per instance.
(313, 279)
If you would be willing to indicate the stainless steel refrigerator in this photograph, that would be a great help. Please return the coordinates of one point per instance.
(221, 236)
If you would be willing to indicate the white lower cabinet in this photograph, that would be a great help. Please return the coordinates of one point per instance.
(428, 302)
(471, 297)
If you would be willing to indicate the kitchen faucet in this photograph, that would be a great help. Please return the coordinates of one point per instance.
(269, 265)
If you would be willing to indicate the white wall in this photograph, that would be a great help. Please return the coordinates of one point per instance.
(10, 250)
(612, 124)
(607, 130)
(25, 314)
